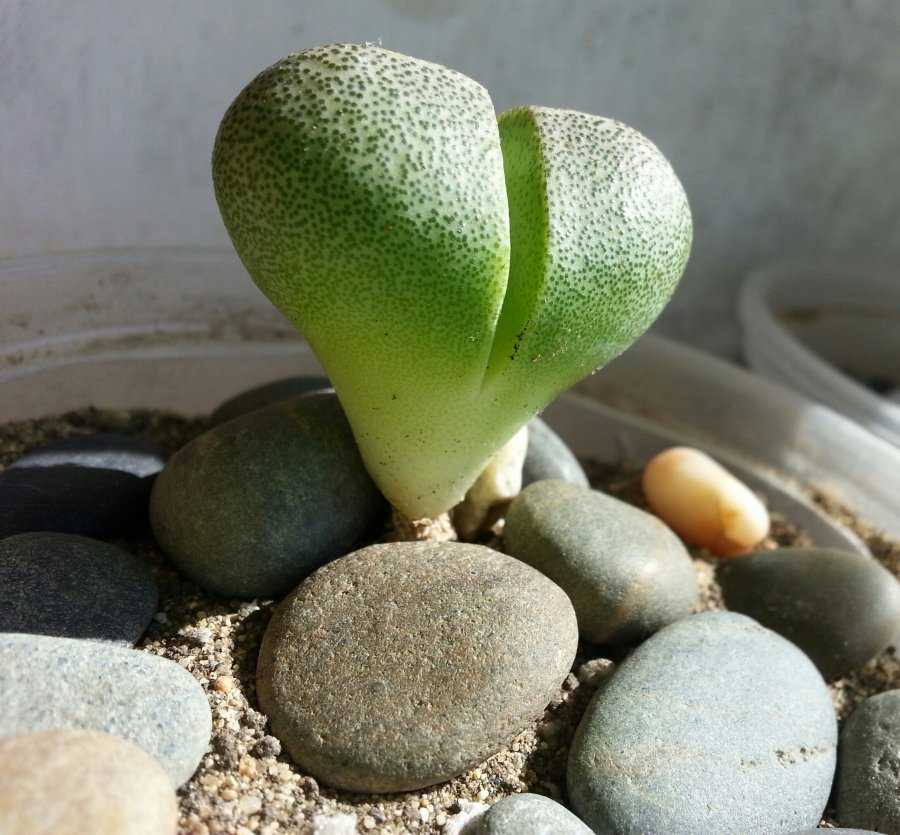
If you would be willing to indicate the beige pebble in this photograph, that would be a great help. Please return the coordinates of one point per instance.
(250, 804)
(75, 782)
(594, 671)
(704, 503)
(224, 684)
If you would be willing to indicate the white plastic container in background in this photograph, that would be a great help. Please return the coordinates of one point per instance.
(182, 329)
(821, 331)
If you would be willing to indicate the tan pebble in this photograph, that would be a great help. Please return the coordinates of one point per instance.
(224, 684)
(75, 782)
(368, 822)
(247, 766)
(250, 804)
(594, 671)
(228, 794)
(704, 503)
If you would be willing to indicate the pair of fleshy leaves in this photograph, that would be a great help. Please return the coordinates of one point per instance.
(452, 271)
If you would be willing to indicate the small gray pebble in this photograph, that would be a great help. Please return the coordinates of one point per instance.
(841, 608)
(627, 574)
(549, 457)
(267, 394)
(868, 783)
(74, 587)
(528, 814)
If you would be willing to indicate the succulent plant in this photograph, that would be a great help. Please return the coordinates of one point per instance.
(452, 270)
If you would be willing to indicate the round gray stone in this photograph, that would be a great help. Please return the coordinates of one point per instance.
(715, 724)
(868, 782)
(254, 505)
(627, 574)
(549, 457)
(403, 664)
(63, 683)
(267, 394)
(528, 814)
(74, 587)
(841, 608)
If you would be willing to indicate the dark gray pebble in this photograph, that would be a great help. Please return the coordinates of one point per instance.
(841, 608)
(74, 587)
(266, 395)
(868, 783)
(254, 505)
(549, 457)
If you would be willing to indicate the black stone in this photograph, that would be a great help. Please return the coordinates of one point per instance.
(71, 498)
(103, 450)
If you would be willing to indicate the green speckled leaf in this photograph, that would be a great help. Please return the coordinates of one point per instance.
(366, 194)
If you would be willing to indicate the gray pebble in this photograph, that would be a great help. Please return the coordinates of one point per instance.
(841, 608)
(528, 814)
(254, 505)
(70, 684)
(627, 574)
(266, 395)
(549, 457)
(401, 665)
(101, 450)
(715, 724)
(868, 783)
(74, 587)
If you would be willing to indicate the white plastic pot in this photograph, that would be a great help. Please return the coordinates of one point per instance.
(182, 329)
(823, 330)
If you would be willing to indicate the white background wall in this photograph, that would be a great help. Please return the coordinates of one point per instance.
(782, 117)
